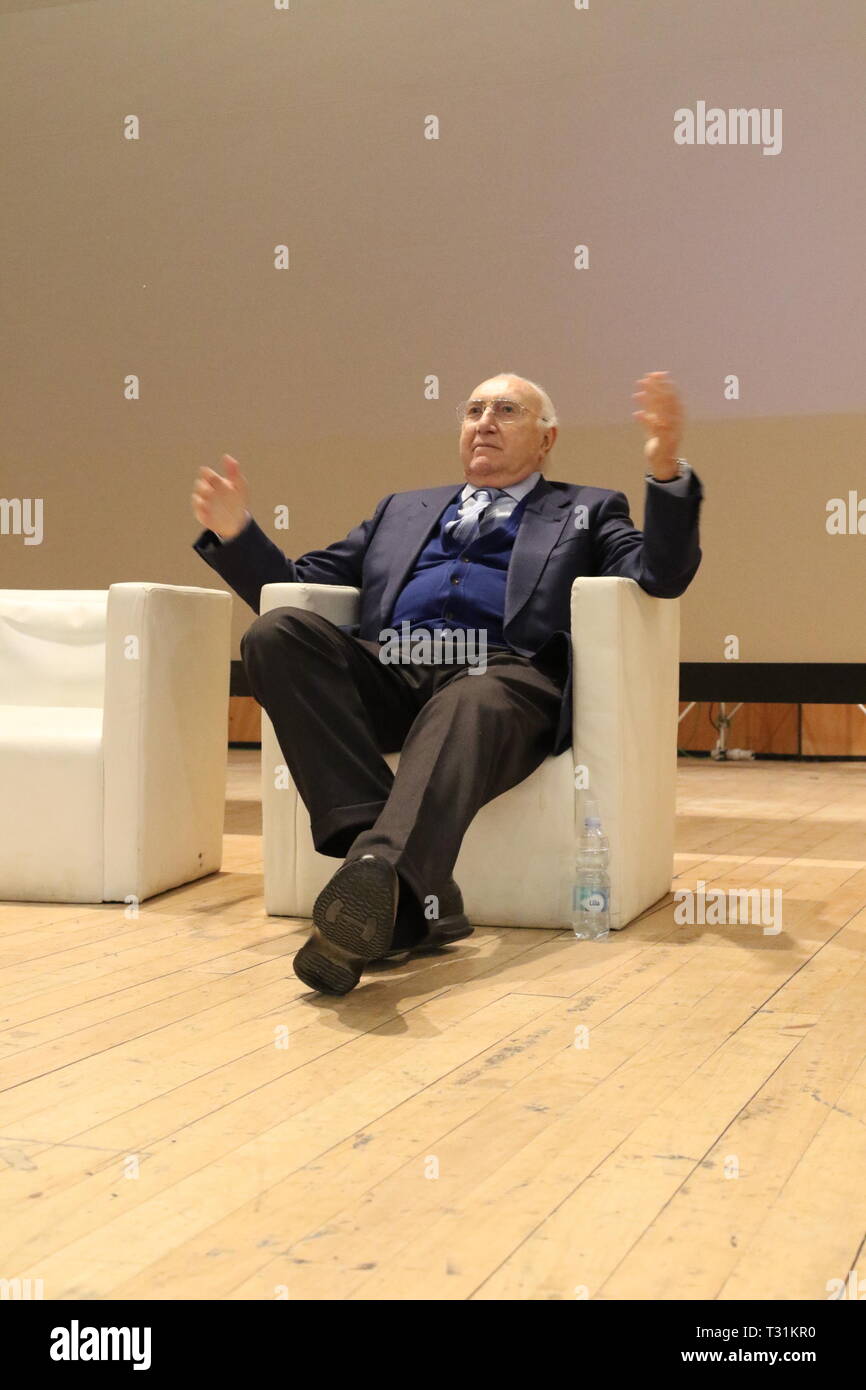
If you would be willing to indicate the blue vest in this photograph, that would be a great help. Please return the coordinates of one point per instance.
(455, 586)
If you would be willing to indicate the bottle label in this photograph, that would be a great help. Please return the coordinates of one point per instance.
(592, 899)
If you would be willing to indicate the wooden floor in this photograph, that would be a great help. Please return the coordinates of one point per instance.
(180, 1118)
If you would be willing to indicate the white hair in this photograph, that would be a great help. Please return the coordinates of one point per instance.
(547, 407)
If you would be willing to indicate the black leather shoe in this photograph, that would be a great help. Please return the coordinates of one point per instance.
(353, 923)
(416, 933)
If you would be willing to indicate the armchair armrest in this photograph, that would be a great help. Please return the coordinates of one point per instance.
(339, 603)
(167, 667)
(625, 646)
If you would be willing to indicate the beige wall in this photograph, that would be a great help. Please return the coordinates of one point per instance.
(452, 258)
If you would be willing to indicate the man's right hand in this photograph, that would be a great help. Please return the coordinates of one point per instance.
(219, 503)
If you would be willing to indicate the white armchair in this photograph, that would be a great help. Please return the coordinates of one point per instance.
(516, 864)
(113, 737)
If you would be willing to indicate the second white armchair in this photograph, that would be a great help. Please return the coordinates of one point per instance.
(516, 865)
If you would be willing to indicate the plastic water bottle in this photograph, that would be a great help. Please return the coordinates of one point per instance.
(590, 914)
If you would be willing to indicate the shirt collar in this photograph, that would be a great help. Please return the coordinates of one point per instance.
(516, 490)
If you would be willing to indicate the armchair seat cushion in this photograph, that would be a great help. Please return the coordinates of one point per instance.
(58, 727)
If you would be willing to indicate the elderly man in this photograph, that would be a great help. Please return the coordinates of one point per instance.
(493, 559)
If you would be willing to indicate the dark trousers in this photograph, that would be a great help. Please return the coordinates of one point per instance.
(463, 738)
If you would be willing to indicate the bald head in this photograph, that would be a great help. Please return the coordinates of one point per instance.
(497, 450)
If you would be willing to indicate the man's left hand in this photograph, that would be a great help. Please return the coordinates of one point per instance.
(661, 413)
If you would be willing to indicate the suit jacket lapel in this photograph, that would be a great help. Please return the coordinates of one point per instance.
(544, 517)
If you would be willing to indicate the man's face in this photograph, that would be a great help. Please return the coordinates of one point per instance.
(497, 451)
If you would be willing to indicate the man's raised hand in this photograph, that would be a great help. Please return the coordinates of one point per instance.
(221, 503)
(661, 414)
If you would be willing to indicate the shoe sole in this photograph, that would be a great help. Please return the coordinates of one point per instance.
(353, 923)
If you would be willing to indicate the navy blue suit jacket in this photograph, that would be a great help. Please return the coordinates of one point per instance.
(549, 553)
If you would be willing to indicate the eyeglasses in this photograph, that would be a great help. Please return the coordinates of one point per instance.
(503, 410)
